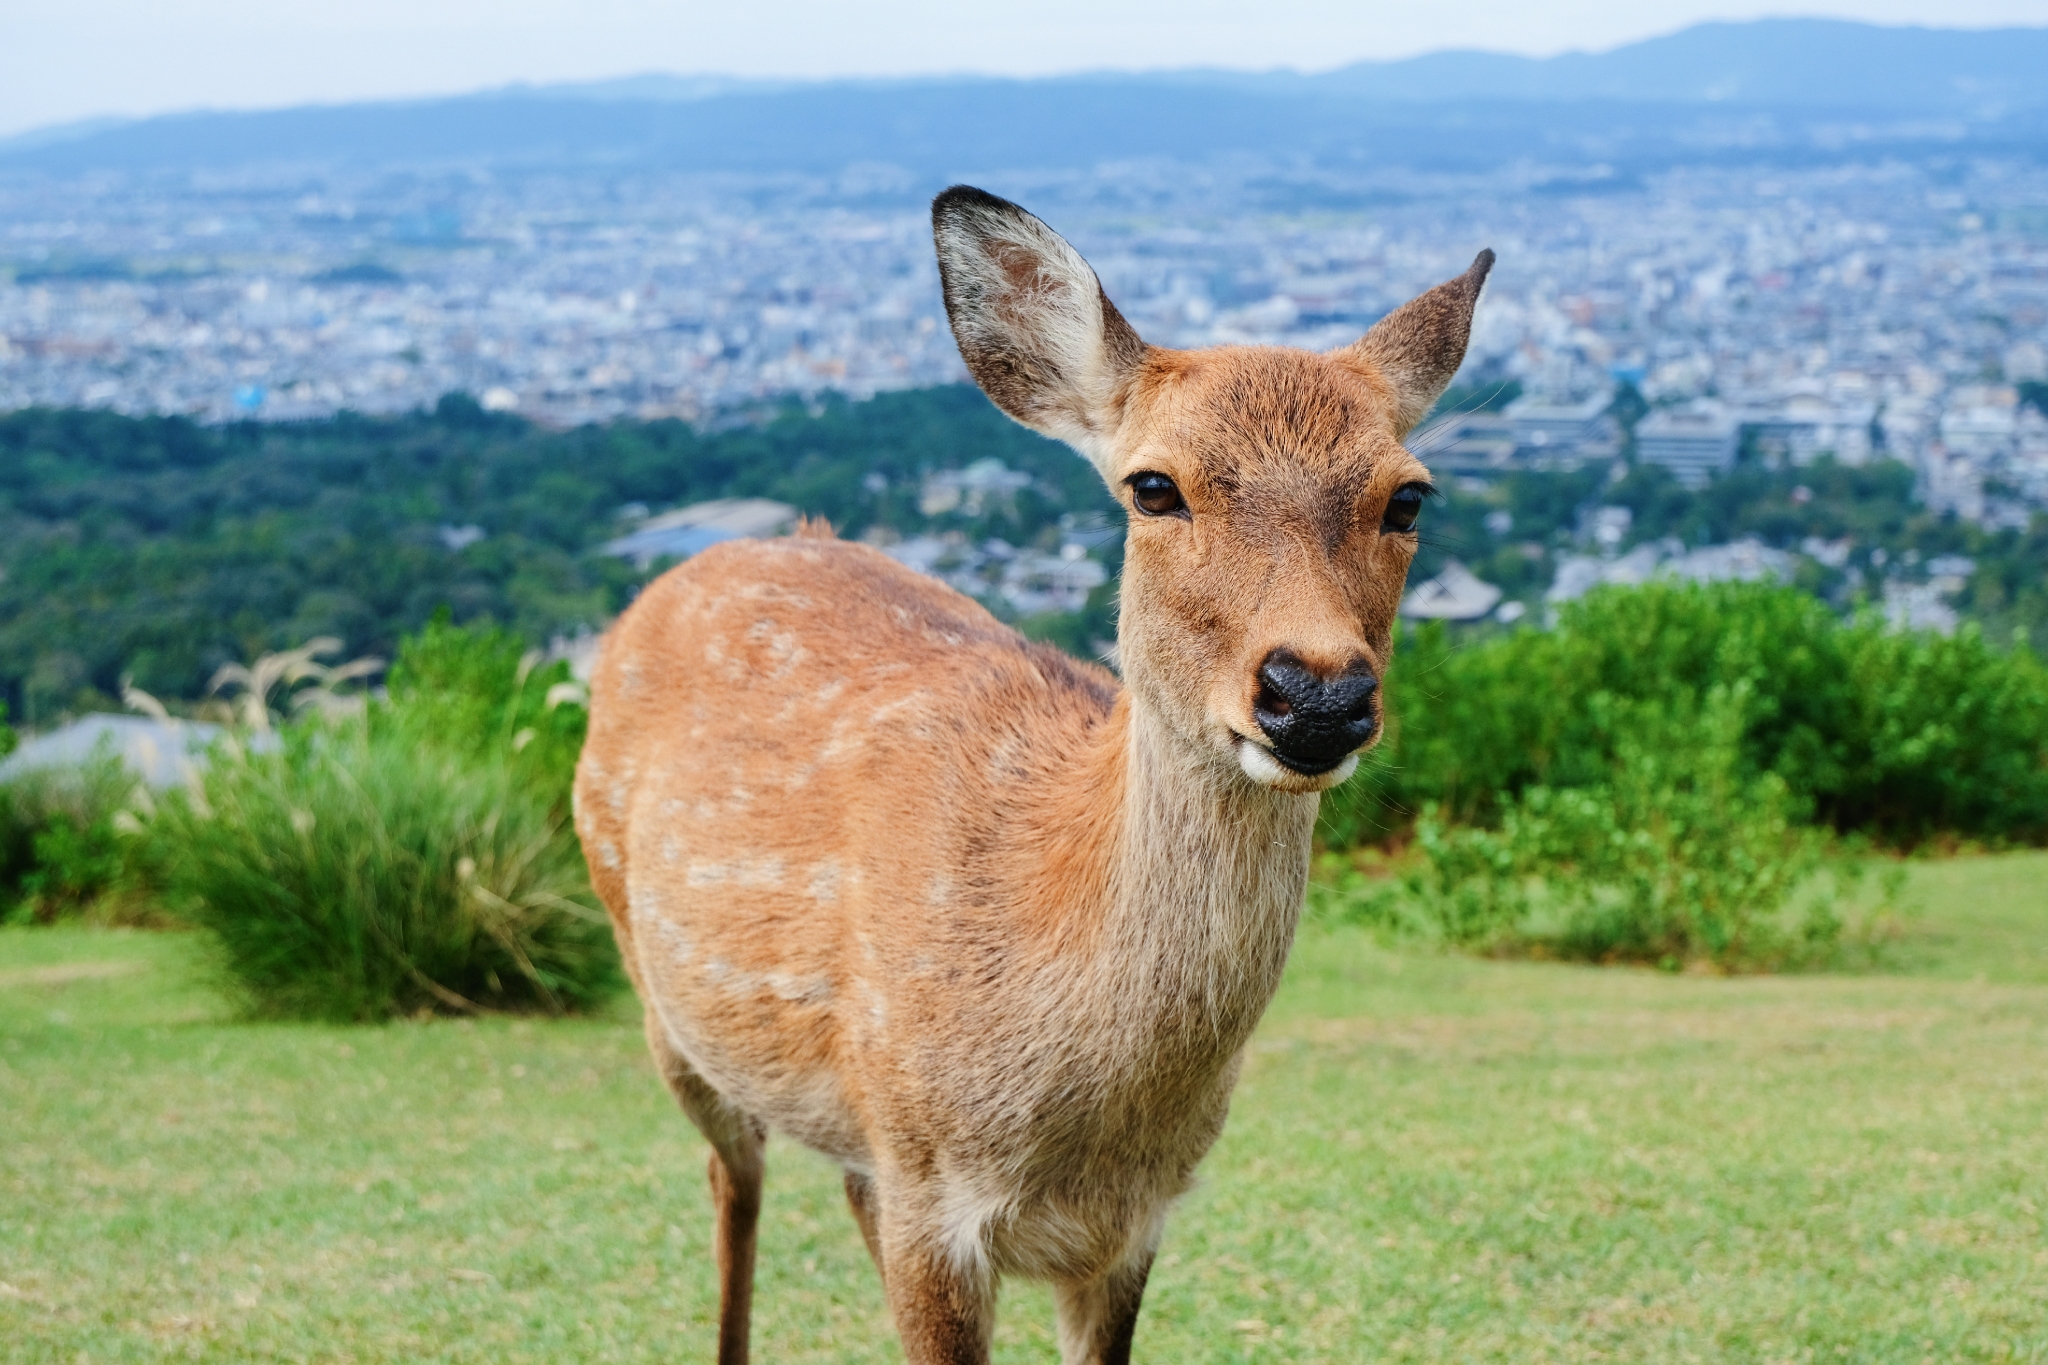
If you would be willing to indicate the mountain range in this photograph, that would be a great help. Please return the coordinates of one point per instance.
(1784, 88)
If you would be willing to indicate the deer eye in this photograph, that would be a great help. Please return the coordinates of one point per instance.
(1156, 495)
(1404, 507)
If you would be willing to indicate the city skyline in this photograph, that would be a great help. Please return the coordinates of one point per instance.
(1843, 309)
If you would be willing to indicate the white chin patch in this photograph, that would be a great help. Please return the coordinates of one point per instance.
(1342, 772)
(1261, 767)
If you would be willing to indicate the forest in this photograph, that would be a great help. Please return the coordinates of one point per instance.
(157, 549)
(160, 549)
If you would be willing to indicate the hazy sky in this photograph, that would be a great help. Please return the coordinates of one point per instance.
(69, 59)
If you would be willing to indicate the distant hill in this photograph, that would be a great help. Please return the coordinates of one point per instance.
(1785, 87)
(1798, 62)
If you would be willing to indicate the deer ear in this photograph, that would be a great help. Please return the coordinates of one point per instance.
(1419, 346)
(1037, 332)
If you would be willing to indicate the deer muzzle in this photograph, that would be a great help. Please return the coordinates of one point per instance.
(1314, 722)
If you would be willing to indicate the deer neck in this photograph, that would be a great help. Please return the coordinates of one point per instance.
(1201, 876)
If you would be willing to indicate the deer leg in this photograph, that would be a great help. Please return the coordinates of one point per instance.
(945, 1314)
(738, 1161)
(1098, 1318)
(861, 1197)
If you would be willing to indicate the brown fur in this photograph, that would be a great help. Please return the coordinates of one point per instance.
(956, 910)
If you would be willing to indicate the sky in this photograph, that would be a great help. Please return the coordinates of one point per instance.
(66, 60)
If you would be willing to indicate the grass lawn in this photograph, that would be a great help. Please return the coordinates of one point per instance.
(1430, 1159)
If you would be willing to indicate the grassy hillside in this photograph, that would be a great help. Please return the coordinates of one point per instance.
(1431, 1159)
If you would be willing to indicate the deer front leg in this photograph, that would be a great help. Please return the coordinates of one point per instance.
(945, 1314)
(1097, 1319)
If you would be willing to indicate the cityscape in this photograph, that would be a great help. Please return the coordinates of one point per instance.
(1850, 311)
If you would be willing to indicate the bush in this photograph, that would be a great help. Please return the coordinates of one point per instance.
(478, 693)
(1899, 735)
(61, 852)
(1943, 735)
(355, 873)
(1674, 857)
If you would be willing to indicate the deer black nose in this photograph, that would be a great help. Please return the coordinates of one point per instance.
(1313, 722)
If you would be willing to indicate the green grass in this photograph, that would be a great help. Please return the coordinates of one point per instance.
(1431, 1158)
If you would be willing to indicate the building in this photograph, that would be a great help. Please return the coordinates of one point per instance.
(1456, 594)
(1981, 423)
(1747, 561)
(983, 484)
(1800, 429)
(1695, 443)
(1034, 583)
(1918, 606)
(1551, 431)
(690, 530)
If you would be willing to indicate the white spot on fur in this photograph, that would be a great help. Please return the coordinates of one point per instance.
(780, 646)
(824, 884)
(749, 873)
(666, 935)
(877, 1004)
(882, 713)
(848, 737)
(799, 990)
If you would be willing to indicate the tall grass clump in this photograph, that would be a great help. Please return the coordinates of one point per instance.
(410, 858)
(478, 692)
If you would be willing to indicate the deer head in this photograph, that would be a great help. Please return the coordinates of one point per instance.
(1272, 506)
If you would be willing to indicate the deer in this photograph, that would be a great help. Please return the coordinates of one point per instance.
(988, 926)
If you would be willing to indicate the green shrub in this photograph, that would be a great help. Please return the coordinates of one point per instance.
(1944, 734)
(1674, 857)
(479, 693)
(61, 852)
(1900, 735)
(355, 873)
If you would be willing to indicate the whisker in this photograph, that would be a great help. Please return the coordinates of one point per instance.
(1434, 433)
